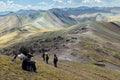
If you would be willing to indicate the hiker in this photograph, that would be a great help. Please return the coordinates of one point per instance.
(27, 64)
(55, 60)
(43, 56)
(47, 57)
(15, 53)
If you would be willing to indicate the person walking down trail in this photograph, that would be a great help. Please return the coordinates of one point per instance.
(47, 57)
(15, 53)
(43, 56)
(55, 60)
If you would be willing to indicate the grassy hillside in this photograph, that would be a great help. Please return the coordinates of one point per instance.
(66, 71)
(12, 71)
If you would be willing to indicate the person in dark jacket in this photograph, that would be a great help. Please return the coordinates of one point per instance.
(27, 64)
(55, 60)
(47, 58)
(43, 53)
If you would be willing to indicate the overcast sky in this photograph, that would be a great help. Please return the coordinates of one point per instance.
(15, 5)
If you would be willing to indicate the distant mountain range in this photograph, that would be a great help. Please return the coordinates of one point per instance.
(82, 8)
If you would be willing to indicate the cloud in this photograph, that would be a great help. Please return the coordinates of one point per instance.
(85, 1)
(9, 2)
(69, 1)
(43, 3)
(59, 1)
(11, 6)
(98, 1)
(90, 1)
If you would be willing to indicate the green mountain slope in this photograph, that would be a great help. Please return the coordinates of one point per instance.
(12, 71)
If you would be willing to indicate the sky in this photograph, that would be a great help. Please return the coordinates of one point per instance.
(15, 5)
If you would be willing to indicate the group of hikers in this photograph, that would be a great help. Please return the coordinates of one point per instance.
(46, 58)
(25, 55)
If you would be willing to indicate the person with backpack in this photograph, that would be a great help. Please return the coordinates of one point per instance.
(55, 60)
